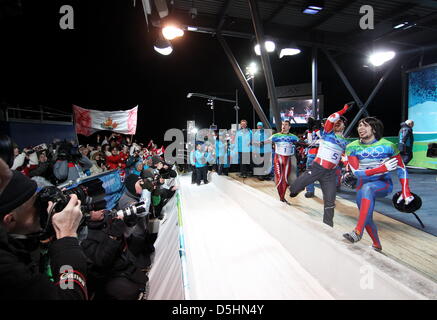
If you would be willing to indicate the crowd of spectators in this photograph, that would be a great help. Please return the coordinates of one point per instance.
(109, 250)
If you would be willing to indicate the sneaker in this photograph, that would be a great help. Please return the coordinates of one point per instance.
(377, 249)
(352, 236)
(309, 194)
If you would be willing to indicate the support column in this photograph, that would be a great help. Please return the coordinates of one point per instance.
(345, 81)
(314, 87)
(265, 62)
(372, 95)
(244, 82)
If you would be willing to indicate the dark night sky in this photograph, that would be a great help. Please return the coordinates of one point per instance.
(108, 63)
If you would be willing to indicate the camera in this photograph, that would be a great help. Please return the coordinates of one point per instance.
(67, 151)
(91, 195)
(137, 209)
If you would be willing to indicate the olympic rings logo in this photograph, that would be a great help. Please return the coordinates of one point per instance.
(372, 152)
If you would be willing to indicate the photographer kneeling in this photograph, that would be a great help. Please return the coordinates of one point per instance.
(112, 274)
(20, 228)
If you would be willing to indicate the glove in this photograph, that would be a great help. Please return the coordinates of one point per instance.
(407, 199)
(117, 228)
(391, 164)
(350, 105)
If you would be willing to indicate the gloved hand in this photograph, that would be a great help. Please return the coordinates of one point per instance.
(117, 228)
(407, 199)
(391, 164)
(350, 105)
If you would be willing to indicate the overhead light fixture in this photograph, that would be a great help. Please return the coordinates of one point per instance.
(269, 45)
(313, 6)
(171, 31)
(405, 22)
(379, 58)
(163, 46)
(289, 51)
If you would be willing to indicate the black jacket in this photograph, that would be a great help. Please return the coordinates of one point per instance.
(20, 278)
(406, 138)
(107, 254)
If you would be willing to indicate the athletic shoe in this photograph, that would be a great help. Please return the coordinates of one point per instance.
(352, 236)
(377, 249)
(309, 194)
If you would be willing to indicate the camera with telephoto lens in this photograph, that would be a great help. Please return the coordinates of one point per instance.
(137, 209)
(91, 195)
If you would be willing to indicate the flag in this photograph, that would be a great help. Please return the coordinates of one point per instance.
(88, 121)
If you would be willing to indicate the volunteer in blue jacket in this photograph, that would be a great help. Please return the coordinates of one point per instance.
(201, 157)
(244, 144)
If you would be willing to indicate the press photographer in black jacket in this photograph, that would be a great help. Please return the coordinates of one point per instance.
(20, 277)
(112, 273)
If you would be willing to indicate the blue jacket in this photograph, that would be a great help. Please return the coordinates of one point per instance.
(201, 158)
(244, 140)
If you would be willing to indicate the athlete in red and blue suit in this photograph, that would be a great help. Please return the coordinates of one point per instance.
(371, 159)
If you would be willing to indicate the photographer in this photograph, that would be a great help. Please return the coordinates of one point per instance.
(140, 240)
(19, 227)
(112, 274)
(70, 164)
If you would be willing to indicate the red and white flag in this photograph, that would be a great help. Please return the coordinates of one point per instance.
(88, 121)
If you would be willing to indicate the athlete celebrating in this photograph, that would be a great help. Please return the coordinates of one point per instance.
(284, 151)
(323, 168)
(371, 158)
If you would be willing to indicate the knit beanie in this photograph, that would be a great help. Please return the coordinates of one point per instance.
(130, 182)
(17, 192)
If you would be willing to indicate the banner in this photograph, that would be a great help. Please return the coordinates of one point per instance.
(422, 109)
(88, 121)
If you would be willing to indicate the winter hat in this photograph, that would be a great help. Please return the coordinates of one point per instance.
(130, 182)
(17, 192)
(156, 160)
(260, 124)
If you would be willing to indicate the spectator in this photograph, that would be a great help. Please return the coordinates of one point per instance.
(406, 141)
(44, 168)
(99, 163)
(19, 279)
(114, 160)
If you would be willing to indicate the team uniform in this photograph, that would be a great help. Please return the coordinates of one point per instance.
(284, 151)
(313, 140)
(324, 166)
(374, 181)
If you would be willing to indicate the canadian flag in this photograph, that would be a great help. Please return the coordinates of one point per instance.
(88, 121)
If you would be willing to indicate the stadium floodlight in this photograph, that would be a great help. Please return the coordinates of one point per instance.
(163, 46)
(379, 58)
(289, 52)
(172, 31)
(269, 45)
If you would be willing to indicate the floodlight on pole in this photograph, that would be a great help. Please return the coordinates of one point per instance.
(163, 46)
(379, 58)
(171, 31)
(289, 52)
(269, 45)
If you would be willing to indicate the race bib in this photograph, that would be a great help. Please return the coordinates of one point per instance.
(284, 148)
(328, 153)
